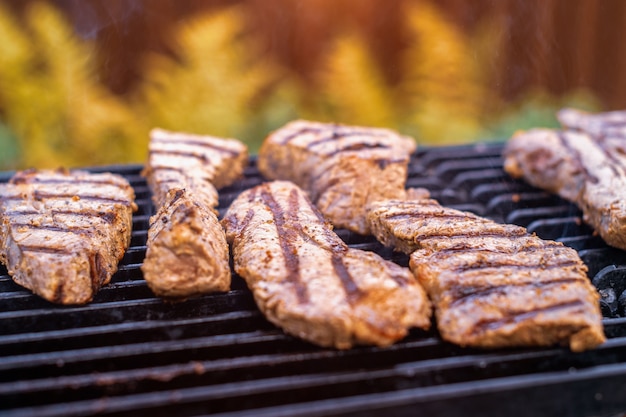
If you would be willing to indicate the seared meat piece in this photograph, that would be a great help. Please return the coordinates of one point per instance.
(589, 171)
(342, 168)
(492, 285)
(306, 280)
(62, 233)
(198, 162)
(597, 124)
(187, 253)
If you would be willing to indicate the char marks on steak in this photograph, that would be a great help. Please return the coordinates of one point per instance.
(585, 169)
(63, 233)
(611, 123)
(492, 285)
(187, 253)
(342, 168)
(307, 281)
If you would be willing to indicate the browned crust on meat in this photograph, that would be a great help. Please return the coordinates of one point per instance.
(307, 281)
(188, 250)
(492, 285)
(342, 168)
(187, 254)
(64, 232)
(589, 171)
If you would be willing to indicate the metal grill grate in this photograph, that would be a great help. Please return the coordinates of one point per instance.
(127, 352)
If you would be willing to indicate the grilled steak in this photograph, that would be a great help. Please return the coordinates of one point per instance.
(589, 171)
(187, 253)
(306, 280)
(599, 124)
(492, 285)
(342, 168)
(198, 162)
(63, 233)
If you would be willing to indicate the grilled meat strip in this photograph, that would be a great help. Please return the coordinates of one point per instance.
(63, 233)
(342, 168)
(597, 124)
(187, 253)
(589, 171)
(492, 285)
(307, 281)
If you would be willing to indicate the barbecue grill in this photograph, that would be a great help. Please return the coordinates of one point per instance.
(129, 353)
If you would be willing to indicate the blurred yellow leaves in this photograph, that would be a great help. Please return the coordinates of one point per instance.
(51, 100)
(218, 81)
(211, 85)
(442, 87)
(440, 99)
(353, 86)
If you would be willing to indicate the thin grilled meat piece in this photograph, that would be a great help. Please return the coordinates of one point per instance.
(342, 168)
(187, 254)
(63, 233)
(200, 162)
(589, 171)
(610, 124)
(307, 281)
(492, 285)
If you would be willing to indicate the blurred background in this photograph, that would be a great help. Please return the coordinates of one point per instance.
(83, 81)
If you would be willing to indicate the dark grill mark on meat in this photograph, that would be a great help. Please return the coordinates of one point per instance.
(337, 250)
(462, 294)
(464, 247)
(40, 195)
(472, 234)
(504, 263)
(440, 215)
(177, 195)
(517, 317)
(69, 180)
(577, 159)
(331, 134)
(98, 271)
(295, 134)
(107, 216)
(600, 140)
(75, 230)
(244, 223)
(290, 252)
(45, 249)
(355, 147)
(184, 154)
(193, 142)
(352, 290)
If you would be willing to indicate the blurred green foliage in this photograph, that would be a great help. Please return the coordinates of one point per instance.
(56, 111)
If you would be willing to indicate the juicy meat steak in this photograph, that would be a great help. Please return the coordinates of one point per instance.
(611, 123)
(63, 233)
(492, 285)
(587, 170)
(342, 168)
(187, 253)
(306, 280)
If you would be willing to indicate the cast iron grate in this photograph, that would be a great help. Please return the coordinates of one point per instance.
(127, 352)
